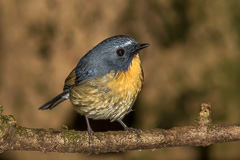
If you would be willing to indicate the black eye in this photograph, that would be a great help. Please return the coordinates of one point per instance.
(120, 52)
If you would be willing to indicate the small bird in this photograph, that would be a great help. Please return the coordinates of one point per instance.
(105, 83)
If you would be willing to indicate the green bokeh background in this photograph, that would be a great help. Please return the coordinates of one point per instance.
(193, 58)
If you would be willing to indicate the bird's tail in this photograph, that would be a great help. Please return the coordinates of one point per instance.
(55, 101)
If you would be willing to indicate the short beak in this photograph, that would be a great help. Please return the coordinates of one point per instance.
(141, 46)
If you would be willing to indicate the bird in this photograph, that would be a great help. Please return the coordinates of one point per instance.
(105, 83)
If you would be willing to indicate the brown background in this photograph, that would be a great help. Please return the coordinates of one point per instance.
(193, 58)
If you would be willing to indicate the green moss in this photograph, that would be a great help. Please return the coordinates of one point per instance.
(6, 121)
(65, 127)
(21, 131)
(1, 109)
(71, 137)
(196, 120)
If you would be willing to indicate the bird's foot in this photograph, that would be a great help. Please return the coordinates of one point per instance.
(91, 133)
(137, 131)
(130, 129)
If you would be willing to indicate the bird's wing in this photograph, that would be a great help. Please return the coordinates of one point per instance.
(70, 80)
(79, 74)
(85, 71)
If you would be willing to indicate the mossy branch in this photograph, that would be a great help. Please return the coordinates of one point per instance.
(202, 133)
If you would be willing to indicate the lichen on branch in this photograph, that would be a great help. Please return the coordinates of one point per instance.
(202, 133)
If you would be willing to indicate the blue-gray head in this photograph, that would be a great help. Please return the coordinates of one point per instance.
(114, 53)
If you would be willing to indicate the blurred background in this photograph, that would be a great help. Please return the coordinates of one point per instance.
(193, 58)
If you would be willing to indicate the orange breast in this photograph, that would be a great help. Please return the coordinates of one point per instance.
(130, 80)
(109, 97)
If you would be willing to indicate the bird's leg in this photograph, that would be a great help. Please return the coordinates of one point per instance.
(91, 133)
(126, 128)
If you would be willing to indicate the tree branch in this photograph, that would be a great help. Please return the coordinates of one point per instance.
(202, 133)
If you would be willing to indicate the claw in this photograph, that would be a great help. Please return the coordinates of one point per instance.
(137, 131)
(130, 129)
(91, 133)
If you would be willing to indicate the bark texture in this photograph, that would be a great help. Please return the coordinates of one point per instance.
(202, 133)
